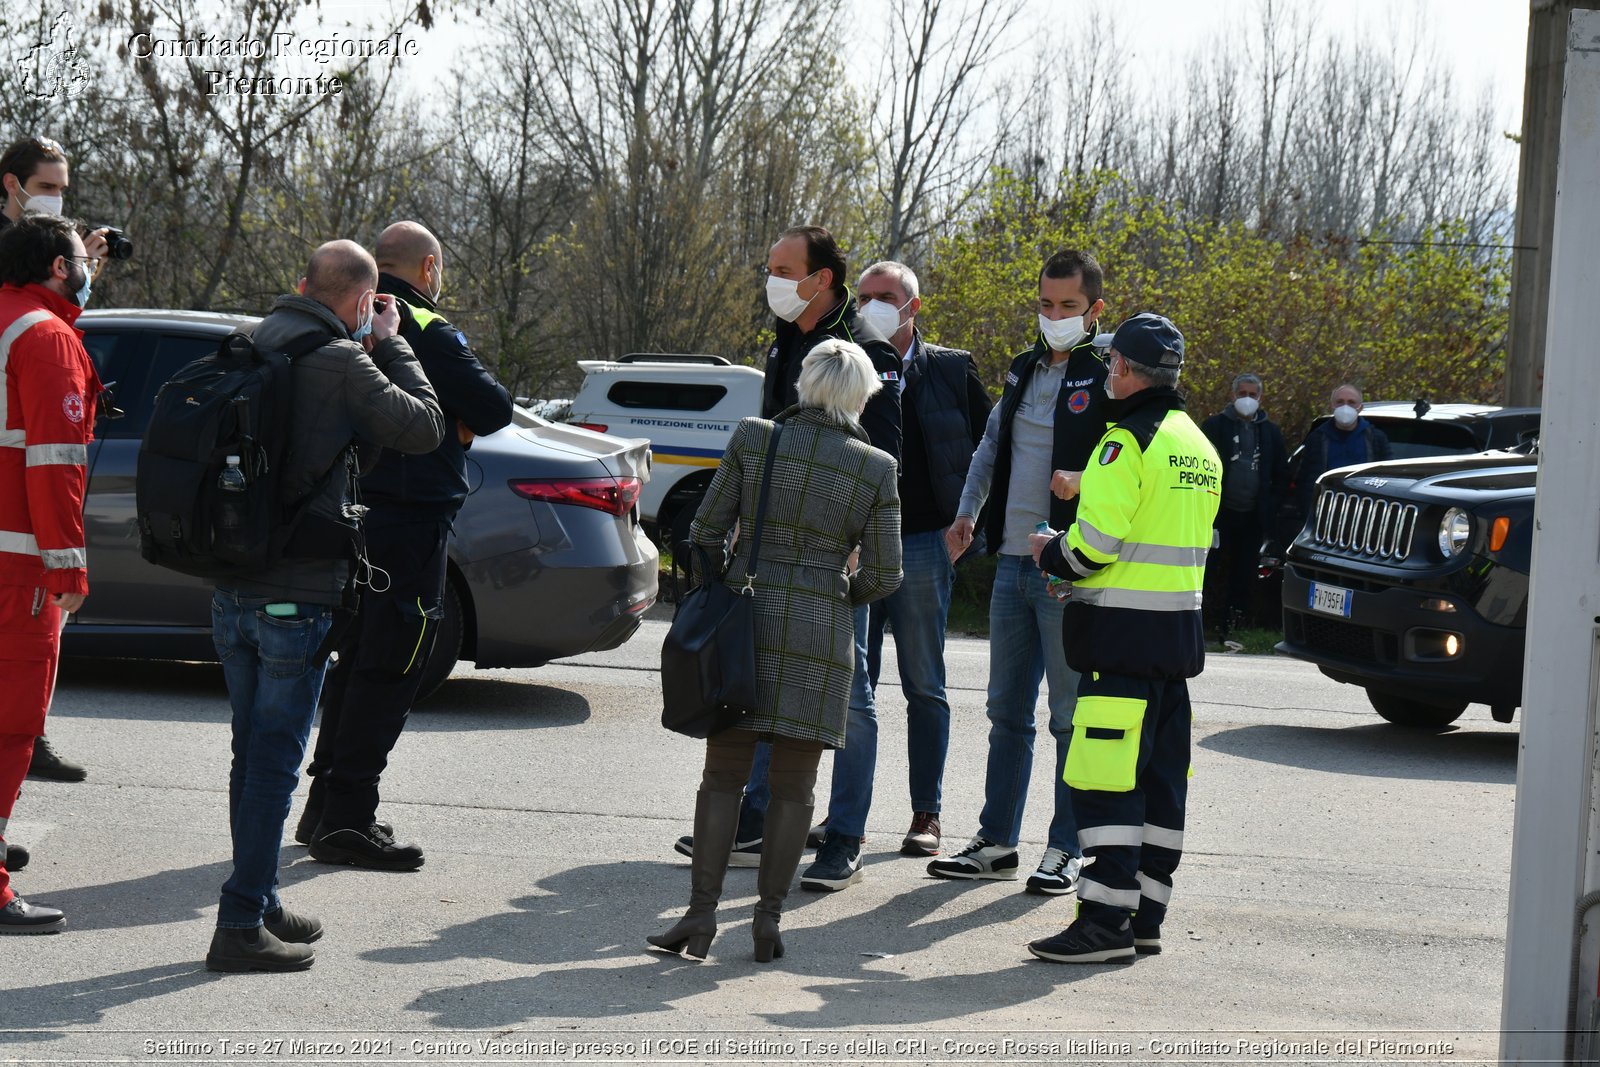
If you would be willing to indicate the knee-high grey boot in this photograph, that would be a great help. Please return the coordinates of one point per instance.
(716, 821)
(785, 840)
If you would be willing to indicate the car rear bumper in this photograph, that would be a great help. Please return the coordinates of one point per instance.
(1392, 643)
(530, 612)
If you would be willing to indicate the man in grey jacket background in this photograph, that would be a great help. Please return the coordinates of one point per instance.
(269, 628)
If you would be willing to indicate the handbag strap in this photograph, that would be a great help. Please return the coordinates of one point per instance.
(761, 508)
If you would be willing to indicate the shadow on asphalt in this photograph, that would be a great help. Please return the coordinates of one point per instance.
(589, 924)
(85, 1001)
(478, 703)
(175, 896)
(93, 689)
(97, 689)
(1378, 750)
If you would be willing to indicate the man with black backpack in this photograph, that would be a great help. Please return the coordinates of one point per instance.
(361, 386)
(412, 500)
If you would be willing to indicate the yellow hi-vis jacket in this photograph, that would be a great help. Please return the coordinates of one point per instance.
(1137, 552)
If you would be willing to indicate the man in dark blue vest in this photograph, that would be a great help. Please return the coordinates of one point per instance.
(1038, 439)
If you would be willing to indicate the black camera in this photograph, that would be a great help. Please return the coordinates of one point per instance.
(117, 244)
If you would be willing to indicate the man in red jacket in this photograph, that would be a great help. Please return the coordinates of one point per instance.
(46, 422)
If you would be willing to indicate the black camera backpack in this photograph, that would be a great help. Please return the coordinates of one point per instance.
(233, 403)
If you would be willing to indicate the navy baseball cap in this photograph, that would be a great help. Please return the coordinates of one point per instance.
(1149, 339)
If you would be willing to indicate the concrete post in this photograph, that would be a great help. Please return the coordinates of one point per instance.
(1555, 832)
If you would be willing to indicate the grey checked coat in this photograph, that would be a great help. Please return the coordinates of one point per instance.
(831, 490)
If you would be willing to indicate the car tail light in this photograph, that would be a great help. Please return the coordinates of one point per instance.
(597, 427)
(614, 496)
(1498, 533)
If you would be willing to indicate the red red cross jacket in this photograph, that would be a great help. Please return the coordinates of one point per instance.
(46, 423)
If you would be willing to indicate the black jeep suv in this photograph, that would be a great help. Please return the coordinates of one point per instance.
(1410, 578)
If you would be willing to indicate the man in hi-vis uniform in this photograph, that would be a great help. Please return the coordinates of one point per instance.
(1136, 554)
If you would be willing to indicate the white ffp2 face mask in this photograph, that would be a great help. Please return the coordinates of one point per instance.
(1344, 416)
(1062, 334)
(45, 205)
(883, 316)
(784, 298)
(1246, 406)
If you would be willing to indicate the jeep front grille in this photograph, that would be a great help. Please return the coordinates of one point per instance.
(1356, 524)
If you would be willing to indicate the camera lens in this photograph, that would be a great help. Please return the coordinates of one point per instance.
(117, 244)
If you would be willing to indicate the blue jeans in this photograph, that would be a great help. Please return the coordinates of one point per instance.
(853, 764)
(917, 613)
(274, 678)
(1025, 648)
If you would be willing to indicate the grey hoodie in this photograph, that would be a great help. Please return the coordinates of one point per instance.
(341, 394)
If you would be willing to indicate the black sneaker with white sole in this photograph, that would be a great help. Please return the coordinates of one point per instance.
(981, 858)
(744, 854)
(1086, 941)
(837, 866)
(1057, 874)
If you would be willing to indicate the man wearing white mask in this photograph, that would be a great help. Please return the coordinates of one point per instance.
(1052, 413)
(33, 176)
(1255, 474)
(1342, 441)
(806, 291)
(944, 407)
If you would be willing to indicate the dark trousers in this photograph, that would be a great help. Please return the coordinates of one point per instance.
(1135, 837)
(1235, 563)
(369, 691)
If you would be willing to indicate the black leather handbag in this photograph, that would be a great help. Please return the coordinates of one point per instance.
(708, 661)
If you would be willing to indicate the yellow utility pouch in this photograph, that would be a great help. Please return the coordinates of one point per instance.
(1104, 755)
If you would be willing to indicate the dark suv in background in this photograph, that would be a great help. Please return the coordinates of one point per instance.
(548, 558)
(1410, 578)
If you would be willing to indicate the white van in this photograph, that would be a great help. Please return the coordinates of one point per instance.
(686, 406)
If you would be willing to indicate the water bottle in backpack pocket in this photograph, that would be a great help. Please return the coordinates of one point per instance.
(208, 489)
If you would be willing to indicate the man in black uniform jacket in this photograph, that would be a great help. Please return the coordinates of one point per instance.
(413, 501)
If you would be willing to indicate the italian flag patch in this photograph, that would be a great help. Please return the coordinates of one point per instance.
(1110, 452)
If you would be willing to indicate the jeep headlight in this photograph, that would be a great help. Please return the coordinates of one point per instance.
(1455, 530)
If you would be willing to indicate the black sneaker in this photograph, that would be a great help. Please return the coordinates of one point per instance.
(20, 917)
(1086, 941)
(981, 858)
(837, 866)
(47, 764)
(16, 857)
(744, 854)
(373, 848)
(237, 951)
(290, 928)
(1147, 942)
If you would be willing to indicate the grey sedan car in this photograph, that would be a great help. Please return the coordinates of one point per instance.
(548, 558)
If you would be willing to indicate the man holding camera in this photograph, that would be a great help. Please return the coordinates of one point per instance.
(413, 499)
(34, 178)
(363, 382)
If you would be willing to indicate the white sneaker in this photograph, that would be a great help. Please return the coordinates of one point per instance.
(981, 858)
(1057, 874)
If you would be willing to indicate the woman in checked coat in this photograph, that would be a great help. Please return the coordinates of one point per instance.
(831, 492)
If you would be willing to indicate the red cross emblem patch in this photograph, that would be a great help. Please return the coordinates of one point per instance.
(72, 406)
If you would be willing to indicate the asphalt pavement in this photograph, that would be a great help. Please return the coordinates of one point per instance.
(1342, 896)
